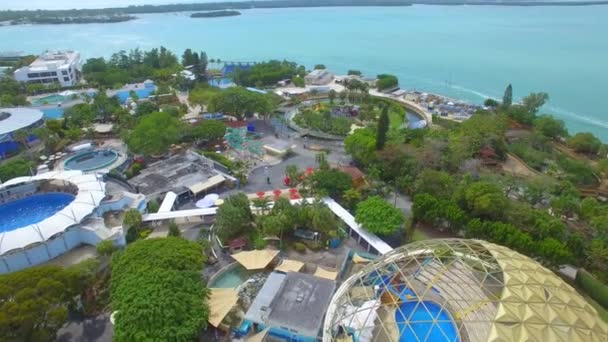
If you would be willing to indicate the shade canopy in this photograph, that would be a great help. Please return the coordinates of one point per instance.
(220, 303)
(324, 273)
(359, 260)
(288, 265)
(255, 260)
(209, 183)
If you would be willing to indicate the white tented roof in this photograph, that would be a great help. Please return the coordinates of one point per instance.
(18, 118)
(91, 191)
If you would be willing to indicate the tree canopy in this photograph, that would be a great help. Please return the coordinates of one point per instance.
(332, 182)
(240, 102)
(485, 199)
(233, 217)
(386, 81)
(550, 127)
(378, 216)
(156, 291)
(154, 134)
(585, 143)
(267, 73)
(383, 125)
(361, 145)
(507, 98)
(13, 168)
(534, 101)
(133, 66)
(34, 302)
(209, 130)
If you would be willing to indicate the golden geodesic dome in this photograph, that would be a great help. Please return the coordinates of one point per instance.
(459, 290)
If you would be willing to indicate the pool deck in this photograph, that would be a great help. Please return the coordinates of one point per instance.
(112, 144)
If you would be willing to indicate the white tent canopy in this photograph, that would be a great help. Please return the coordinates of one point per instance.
(209, 183)
(91, 191)
(208, 201)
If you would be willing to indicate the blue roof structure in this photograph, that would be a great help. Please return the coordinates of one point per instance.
(230, 68)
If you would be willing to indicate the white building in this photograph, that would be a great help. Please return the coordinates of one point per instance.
(319, 77)
(61, 67)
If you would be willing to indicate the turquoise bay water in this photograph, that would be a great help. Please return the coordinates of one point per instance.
(468, 52)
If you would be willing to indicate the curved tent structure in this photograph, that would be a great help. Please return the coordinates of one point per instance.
(90, 193)
(75, 222)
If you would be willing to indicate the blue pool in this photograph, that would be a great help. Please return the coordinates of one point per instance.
(232, 276)
(91, 160)
(53, 113)
(144, 93)
(26, 211)
(221, 82)
(425, 321)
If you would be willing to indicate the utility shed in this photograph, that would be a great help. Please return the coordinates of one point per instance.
(292, 304)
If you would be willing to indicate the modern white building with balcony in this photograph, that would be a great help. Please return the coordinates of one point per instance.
(61, 67)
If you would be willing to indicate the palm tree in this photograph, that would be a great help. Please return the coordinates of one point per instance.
(332, 96)
(343, 96)
(22, 136)
(321, 159)
(263, 203)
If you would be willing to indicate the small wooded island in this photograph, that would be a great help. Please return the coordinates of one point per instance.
(215, 14)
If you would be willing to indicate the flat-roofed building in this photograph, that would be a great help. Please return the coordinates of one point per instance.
(61, 67)
(292, 306)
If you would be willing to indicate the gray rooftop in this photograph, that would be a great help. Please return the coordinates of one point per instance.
(182, 170)
(294, 301)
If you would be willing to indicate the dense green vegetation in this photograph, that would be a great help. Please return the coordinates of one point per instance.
(133, 66)
(322, 121)
(267, 73)
(12, 93)
(17, 167)
(451, 174)
(35, 302)
(154, 134)
(386, 82)
(241, 103)
(215, 14)
(156, 291)
(56, 20)
(378, 216)
(593, 287)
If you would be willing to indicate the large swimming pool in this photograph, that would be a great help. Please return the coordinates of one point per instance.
(91, 160)
(50, 99)
(425, 321)
(33, 209)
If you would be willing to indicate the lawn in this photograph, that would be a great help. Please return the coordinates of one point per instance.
(395, 119)
(419, 235)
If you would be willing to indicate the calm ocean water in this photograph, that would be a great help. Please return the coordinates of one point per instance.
(468, 52)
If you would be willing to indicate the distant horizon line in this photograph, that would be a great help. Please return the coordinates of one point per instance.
(279, 4)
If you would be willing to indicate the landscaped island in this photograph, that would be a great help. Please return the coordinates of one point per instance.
(215, 14)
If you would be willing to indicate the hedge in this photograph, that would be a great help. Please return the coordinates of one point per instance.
(593, 287)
